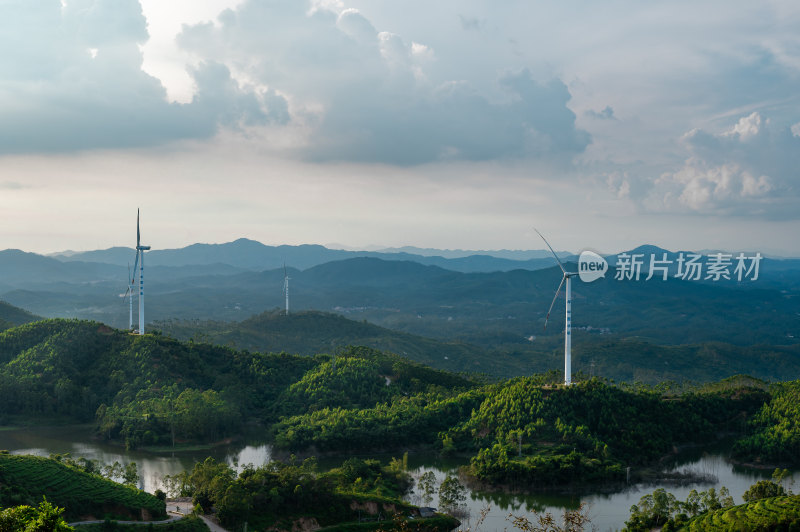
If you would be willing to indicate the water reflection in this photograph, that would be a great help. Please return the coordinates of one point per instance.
(78, 442)
(608, 511)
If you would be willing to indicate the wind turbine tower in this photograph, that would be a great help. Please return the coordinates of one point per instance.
(286, 287)
(130, 300)
(140, 249)
(567, 276)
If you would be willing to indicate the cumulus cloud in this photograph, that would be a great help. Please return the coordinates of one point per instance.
(749, 169)
(77, 82)
(352, 91)
(364, 94)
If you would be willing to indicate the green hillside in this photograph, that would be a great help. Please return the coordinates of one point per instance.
(526, 433)
(775, 429)
(312, 332)
(148, 390)
(531, 432)
(629, 359)
(70, 368)
(11, 316)
(764, 515)
(25, 479)
(155, 390)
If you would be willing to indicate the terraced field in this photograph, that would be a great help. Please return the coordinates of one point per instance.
(26, 479)
(764, 515)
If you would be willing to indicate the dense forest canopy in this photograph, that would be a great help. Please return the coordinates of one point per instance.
(155, 390)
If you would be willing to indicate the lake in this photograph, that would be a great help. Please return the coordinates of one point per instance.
(608, 511)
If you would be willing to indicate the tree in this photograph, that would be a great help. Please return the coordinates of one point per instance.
(427, 484)
(44, 518)
(210, 480)
(574, 521)
(130, 474)
(763, 489)
(451, 494)
(653, 510)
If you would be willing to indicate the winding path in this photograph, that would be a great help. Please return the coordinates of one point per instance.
(174, 516)
(182, 509)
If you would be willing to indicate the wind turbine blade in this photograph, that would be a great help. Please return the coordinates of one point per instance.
(125, 297)
(137, 233)
(135, 264)
(551, 250)
(554, 299)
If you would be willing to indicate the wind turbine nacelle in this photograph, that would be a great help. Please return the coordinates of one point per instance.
(591, 266)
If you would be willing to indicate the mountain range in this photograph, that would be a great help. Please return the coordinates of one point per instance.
(251, 255)
(497, 309)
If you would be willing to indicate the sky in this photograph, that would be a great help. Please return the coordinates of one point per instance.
(454, 124)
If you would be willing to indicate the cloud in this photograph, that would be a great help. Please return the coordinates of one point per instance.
(77, 83)
(346, 90)
(471, 23)
(365, 95)
(606, 114)
(750, 169)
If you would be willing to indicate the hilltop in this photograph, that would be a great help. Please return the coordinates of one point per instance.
(11, 316)
(313, 332)
(154, 389)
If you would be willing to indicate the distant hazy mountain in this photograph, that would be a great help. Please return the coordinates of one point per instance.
(251, 255)
(511, 254)
(486, 309)
(18, 268)
(116, 255)
(480, 300)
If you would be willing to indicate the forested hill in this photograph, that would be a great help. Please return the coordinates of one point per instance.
(11, 316)
(142, 388)
(629, 359)
(155, 390)
(313, 332)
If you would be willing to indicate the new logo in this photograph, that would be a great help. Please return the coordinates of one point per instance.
(591, 266)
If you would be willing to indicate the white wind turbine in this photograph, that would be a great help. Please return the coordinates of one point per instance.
(140, 249)
(286, 287)
(568, 326)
